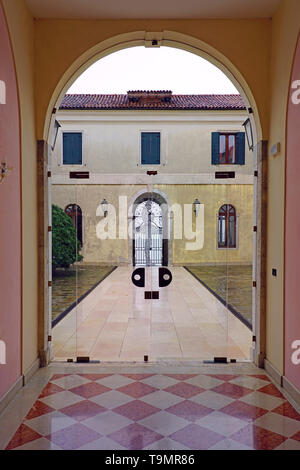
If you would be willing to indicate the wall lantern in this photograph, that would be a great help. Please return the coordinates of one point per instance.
(4, 171)
(104, 205)
(54, 135)
(249, 133)
(196, 207)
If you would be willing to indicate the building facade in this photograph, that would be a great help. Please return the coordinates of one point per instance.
(185, 153)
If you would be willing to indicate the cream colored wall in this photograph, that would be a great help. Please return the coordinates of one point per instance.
(213, 197)
(112, 140)
(285, 30)
(88, 197)
(63, 46)
(21, 28)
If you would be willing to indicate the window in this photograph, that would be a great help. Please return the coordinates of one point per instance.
(72, 148)
(150, 148)
(227, 227)
(75, 212)
(228, 148)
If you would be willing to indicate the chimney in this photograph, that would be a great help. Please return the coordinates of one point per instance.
(145, 97)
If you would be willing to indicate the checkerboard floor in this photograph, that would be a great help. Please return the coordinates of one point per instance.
(159, 411)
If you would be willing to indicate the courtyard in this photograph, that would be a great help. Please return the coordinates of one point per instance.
(115, 322)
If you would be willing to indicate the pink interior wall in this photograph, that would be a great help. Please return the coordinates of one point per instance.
(292, 232)
(10, 219)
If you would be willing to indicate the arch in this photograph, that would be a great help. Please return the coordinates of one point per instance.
(164, 38)
(162, 200)
(143, 38)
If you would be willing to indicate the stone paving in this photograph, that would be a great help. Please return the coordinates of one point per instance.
(69, 285)
(116, 323)
(150, 407)
(232, 283)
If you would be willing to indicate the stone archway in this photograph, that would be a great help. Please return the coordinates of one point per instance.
(198, 47)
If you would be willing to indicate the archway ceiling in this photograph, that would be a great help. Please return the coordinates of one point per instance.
(168, 9)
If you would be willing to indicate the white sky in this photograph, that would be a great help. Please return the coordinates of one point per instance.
(164, 68)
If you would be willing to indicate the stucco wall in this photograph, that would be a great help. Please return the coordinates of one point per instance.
(292, 225)
(21, 28)
(241, 46)
(88, 197)
(285, 29)
(111, 141)
(10, 214)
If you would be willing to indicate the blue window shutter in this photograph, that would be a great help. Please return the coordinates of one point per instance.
(145, 149)
(72, 148)
(156, 148)
(215, 148)
(67, 150)
(79, 149)
(150, 148)
(240, 148)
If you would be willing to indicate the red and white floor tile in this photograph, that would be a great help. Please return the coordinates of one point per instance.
(159, 411)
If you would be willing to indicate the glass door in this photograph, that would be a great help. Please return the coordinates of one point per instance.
(67, 233)
(235, 235)
(152, 265)
(117, 231)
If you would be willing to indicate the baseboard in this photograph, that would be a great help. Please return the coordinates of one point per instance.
(4, 401)
(291, 390)
(273, 372)
(20, 382)
(31, 371)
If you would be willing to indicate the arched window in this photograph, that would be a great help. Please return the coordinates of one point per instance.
(227, 227)
(75, 212)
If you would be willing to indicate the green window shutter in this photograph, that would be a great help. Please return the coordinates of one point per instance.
(240, 148)
(150, 148)
(72, 148)
(215, 148)
(145, 149)
(156, 148)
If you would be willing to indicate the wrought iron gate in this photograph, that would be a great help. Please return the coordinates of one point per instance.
(148, 252)
(148, 235)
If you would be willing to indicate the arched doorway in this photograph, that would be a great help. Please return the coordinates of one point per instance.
(174, 41)
(150, 244)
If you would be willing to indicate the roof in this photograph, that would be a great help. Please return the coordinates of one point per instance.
(159, 100)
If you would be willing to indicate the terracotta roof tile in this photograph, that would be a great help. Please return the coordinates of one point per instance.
(152, 100)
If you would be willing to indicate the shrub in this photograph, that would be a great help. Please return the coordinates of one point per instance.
(65, 245)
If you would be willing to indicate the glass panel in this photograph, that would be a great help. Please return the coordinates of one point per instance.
(66, 227)
(222, 231)
(231, 148)
(231, 232)
(222, 149)
(239, 264)
(114, 318)
(135, 220)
